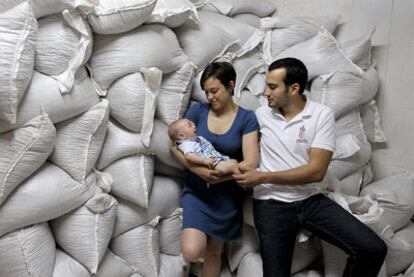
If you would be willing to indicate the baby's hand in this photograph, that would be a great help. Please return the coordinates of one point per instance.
(208, 162)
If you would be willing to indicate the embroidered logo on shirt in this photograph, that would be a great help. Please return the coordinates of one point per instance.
(301, 138)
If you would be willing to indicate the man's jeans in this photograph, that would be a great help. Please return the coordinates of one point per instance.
(278, 223)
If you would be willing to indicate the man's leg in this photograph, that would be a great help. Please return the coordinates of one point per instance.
(332, 223)
(277, 226)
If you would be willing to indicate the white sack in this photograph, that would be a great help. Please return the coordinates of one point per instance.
(351, 184)
(257, 83)
(395, 195)
(47, 194)
(170, 231)
(44, 93)
(237, 249)
(133, 100)
(27, 252)
(248, 18)
(350, 124)
(112, 265)
(400, 245)
(166, 170)
(23, 151)
(371, 122)
(284, 32)
(247, 100)
(118, 16)
(321, 55)
(79, 141)
(119, 143)
(85, 232)
(113, 56)
(359, 50)
(305, 253)
(342, 91)
(18, 30)
(173, 13)
(248, 211)
(175, 94)
(231, 7)
(66, 266)
(207, 40)
(248, 37)
(173, 266)
(47, 7)
(164, 199)
(349, 137)
(342, 167)
(140, 247)
(132, 178)
(63, 45)
(250, 265)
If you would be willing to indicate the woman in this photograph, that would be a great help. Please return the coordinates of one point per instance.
(212, 204)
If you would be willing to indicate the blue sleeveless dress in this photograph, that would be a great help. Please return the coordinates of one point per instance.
(217, 210)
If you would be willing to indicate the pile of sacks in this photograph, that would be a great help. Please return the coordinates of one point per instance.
(88, 186)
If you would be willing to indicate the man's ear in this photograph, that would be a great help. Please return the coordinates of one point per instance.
(294, 89)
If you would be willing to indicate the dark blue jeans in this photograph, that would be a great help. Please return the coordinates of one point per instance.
(278, 224)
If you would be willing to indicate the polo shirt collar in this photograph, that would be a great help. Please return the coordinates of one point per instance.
(306, 113)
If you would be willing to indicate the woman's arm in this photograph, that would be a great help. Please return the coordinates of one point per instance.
(250, 147)
(209, 175)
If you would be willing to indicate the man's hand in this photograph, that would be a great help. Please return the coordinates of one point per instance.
(244, 166)
(248, 179)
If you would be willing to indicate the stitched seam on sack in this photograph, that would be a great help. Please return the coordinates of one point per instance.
(251, 43)
(123, 9)
(89, 146)
(142, 167)
(165, 13)
(361, 126)
(23, 249)
(16, 65)
(74, 64)
(96, 248)
(338, 47)
(22, 152)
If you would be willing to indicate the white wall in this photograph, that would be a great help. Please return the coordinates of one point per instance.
(393, 49)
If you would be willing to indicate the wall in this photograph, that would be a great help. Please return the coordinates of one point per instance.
(393, 49)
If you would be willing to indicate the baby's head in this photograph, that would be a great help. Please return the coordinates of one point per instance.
(182, 129)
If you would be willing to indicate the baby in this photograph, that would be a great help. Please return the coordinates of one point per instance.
(197, 149)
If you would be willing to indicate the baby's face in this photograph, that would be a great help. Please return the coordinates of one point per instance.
(187, 129)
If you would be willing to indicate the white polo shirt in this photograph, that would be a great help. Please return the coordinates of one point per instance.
(286, 145)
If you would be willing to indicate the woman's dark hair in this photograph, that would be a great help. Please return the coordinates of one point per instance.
(296, 72)
(223, 71)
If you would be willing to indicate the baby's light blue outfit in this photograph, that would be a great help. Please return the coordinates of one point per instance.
(201, 147)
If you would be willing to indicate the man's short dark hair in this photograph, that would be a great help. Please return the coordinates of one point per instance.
(223, 71)
(296, 72)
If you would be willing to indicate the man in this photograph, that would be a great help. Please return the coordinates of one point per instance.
(297, 142)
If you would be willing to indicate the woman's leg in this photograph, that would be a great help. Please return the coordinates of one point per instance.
(193, 244)
(212, 258)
